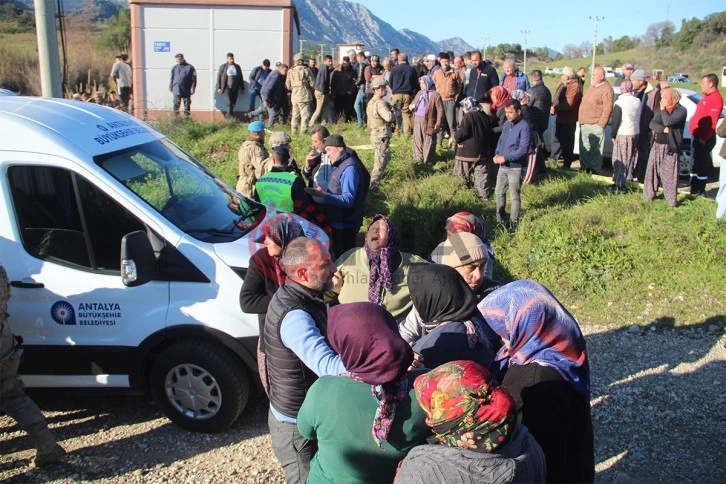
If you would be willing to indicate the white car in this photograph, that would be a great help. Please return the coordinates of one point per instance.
(689, 100)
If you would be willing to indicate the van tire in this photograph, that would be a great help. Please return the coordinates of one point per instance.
(201, 385)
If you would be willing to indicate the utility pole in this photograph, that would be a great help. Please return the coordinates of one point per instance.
(322, 56)
(525, 32)
(484, 41)
(50, 78)
(594, 42)
(301, 45)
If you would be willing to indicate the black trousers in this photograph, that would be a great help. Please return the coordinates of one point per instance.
(702, 164)
(565, 132)
(230, 99)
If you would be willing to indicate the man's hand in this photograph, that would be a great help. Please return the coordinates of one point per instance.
(311, 157)
(219, 91)
(417, 360)
(338, 280)
(317, 191)
(499, 159)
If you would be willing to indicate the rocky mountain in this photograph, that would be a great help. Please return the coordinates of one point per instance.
(341, 22)
(94, 10)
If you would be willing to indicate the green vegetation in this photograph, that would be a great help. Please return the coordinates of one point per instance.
(613, 260)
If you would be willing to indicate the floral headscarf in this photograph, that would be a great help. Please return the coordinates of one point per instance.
(536, 328)
(466, 407)
(470, 104)
(382, 262)
(366, 337)
(626, 87)
(282, 229)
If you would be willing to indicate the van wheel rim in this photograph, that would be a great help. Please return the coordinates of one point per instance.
(193, 391)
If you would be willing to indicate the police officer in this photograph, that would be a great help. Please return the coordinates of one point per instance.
(380, 119)
(280, 188)
(300, 83)
(13, 400)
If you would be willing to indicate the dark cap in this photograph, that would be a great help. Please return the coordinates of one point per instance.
(179, 56)
(335, 140)
(281, 154)
(278, 64)
(375, 58)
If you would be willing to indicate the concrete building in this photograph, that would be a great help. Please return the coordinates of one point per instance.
(204, 31)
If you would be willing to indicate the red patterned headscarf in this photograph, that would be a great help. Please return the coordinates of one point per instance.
(466, 407)
(282, 229)
(502, 97)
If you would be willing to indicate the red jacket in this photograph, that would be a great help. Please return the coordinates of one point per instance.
(703, 122)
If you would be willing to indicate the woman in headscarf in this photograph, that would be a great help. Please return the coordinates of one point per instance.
(377, 272)
(667, 127)
(451, 327)
(366, 420)
(265, 275)
(545, 367)
(427, 109)
(625, 129)
(524, 98)
(474, 139)
(499, 97)
(476, 434)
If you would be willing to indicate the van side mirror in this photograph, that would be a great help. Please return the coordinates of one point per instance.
(138, 263)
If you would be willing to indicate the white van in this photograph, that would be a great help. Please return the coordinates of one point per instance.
(126, 258)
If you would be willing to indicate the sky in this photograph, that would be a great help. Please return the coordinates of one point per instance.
(550, 23)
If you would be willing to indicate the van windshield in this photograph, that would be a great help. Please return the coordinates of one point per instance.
(183, 191)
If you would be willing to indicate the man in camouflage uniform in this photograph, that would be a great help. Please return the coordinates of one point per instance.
(13, 400)
(300, 83)
(380, 118)
(251, 157)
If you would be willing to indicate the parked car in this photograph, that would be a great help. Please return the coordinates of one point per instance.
(679, 79)
(689, 100)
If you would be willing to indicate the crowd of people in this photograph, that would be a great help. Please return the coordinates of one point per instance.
(496, 123)
(383, 365)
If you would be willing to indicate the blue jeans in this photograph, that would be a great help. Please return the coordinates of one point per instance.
(254, 94)
(360, 106)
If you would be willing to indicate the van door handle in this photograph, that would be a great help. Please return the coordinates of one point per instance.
(27, 285)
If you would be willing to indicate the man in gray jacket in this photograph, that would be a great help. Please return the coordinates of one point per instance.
(183, 83)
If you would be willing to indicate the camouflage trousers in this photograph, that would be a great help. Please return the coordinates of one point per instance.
(382, 148)
(300, 117)
(13, 400)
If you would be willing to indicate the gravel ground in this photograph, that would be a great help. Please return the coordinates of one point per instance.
(658, 405)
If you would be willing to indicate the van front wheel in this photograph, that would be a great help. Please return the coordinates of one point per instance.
(202, 386)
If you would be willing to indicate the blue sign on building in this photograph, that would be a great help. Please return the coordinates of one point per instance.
(162, 46)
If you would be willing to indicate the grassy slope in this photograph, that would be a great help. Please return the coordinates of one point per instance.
(612, 260)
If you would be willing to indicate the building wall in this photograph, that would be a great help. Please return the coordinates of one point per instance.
(204, 33)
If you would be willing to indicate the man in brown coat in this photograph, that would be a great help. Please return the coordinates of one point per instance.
(565, 106)
(594, 113)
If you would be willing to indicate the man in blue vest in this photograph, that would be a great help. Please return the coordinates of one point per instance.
(280, 189)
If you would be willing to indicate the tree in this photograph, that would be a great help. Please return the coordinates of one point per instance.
(585, 48)
(624, 43)
(658, 33)
(571, 51)
(117, 35)
(543, 53)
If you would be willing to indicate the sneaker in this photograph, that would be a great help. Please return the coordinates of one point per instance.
(49, 457)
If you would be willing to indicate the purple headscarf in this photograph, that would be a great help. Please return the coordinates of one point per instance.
(381, 262)
(367, 339)
(536, 328)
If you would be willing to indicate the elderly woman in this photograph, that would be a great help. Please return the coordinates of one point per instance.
(362, 439)
(625, 129)
(265, 275)
(544, 365)
(475, 144)
(427, 110)
(450, 327)
(667, 126)
(476, 434)
(499, 97)
(378, 271)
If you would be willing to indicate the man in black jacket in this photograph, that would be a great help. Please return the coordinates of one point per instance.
(230, 83)
(322, 93)
(404, 84)
(539, 105)
(482, 78)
